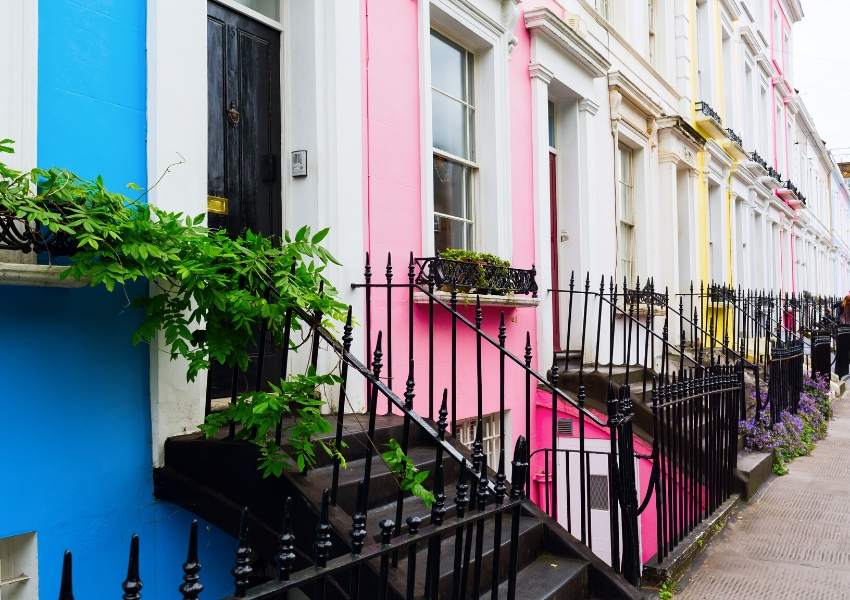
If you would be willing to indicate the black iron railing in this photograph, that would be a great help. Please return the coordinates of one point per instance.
(756, 158)
(618, 422)
(734, 137)
(475, 505)
(23, 236)
(695, 447)
(706, 109)
(474, 277)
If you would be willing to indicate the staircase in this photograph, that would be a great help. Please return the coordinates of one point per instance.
(215, 478)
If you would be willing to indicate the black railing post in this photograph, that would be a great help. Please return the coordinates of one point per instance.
(340, 411)
(518, 476)
(461, 500)
(132, 585)
(357, 536)
(192, 587)
(66, 587)
(477, 449)
(242, 570)
(285, 557)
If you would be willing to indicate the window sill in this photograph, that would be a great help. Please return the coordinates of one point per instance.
(510, 300)
(36, 276)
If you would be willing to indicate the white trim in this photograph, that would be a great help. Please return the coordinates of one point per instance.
(328, 48)
(236, 6)
(488, 41)
(544, 22)
(19, 93)
(177, 132)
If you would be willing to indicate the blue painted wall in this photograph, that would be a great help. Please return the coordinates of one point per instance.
(74, 405)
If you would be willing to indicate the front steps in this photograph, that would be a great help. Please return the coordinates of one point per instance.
(215, 478)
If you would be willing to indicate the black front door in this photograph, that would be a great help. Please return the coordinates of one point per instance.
(243, 66)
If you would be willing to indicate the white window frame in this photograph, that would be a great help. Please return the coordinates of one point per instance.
(19, 64)
(491, 441)
(19, 567)
(603, 7)
(467, 163)
(626, 184)
(704, 48)
(487, 39)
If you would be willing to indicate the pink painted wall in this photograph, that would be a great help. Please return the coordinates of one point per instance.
(393, 159)
(541, 437)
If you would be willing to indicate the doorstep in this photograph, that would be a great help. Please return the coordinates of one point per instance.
(654, 573)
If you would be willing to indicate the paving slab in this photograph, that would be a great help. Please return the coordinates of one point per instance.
(792, 540)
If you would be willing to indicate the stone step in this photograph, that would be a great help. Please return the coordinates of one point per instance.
(549, 577)
(754, 468)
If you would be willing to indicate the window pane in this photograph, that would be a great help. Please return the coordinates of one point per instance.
(451, 188)
(449, 233)
(448, 67)
(449, 125)
(552, 124)
(270, 8)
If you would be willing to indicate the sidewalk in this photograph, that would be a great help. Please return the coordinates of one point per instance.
(793, 539)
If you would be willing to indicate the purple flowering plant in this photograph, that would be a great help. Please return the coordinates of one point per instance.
(794, 435)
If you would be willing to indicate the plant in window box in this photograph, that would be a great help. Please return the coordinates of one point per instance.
(469, 272)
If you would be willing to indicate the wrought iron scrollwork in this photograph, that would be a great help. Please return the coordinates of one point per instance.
(23, 236)
(479, 278)
(645, 295)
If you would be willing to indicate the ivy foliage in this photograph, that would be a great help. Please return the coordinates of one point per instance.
(209, 293)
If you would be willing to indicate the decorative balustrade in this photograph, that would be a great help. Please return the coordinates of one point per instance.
(475, 277)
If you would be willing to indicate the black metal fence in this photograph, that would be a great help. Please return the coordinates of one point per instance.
(476, 502)
(695, 448)
(785, 380)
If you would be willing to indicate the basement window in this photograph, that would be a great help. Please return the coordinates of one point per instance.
(490, 439)
(18, 568)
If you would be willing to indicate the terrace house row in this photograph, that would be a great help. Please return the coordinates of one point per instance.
(577, 140)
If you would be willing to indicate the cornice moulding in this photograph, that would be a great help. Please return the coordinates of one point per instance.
(544, 22)
(617, 80)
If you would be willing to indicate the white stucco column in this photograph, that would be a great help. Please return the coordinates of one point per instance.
(665, 263)
(177, 152)
(587, 108)
(540, 78)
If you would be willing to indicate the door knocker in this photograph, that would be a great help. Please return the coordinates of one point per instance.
(233, 114)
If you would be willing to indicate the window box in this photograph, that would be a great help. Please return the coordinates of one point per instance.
(22, 236)
(734, 145)
(709, 120)
(475, 277)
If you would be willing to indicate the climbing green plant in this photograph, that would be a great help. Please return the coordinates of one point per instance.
(209, 293)
(412, 479)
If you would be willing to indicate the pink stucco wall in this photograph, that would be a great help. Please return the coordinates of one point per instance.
(392, 151)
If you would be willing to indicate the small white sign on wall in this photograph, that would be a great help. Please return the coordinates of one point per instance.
(299, 163)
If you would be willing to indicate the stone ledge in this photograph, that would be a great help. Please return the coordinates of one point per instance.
(509, 300)
(754, 468)
(654, 573)
(37, 276)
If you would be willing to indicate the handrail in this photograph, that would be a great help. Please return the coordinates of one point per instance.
(632, 318)
(276, 589)
(505, 352)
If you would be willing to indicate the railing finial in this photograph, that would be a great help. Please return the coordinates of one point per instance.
(132, 585)
(192, 587)
(242, 570)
